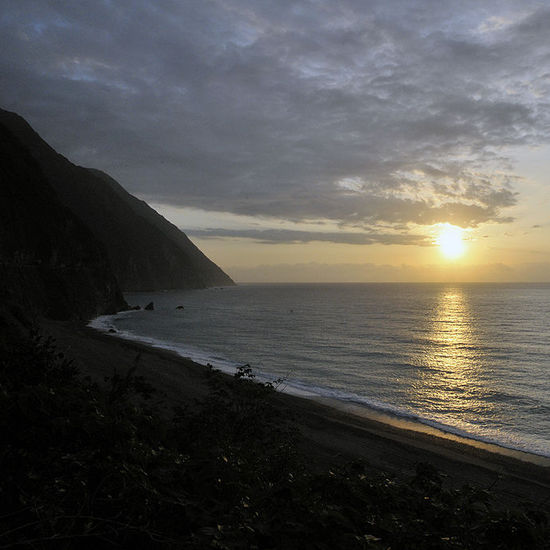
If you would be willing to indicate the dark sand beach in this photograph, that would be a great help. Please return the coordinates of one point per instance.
(330, 433)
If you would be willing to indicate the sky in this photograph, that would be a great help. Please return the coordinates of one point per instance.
(315, 140)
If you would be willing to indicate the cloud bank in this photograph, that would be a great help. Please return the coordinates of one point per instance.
(376, 115)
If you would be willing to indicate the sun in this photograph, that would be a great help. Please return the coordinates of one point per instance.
(451, 241)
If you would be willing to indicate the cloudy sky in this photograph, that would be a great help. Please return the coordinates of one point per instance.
(306, 140)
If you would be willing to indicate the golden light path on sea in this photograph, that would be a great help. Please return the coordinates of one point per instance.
(451, 381)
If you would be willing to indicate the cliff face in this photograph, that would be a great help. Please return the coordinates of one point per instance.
(146, 252)
(50, 263)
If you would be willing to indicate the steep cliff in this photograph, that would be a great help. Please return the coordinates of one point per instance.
(50, 262)
(146, 252)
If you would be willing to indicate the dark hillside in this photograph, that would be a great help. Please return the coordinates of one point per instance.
(50, 263)
(211, 274)
(146, 251)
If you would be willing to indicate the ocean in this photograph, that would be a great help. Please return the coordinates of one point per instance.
(468, 359)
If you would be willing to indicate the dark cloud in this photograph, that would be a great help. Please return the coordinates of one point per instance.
(364, 113)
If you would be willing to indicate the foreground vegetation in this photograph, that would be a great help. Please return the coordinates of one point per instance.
(88, 466)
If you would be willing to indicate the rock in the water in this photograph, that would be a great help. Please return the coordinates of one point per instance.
(150, 306)
(180, 307)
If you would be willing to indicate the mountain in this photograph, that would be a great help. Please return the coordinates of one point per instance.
(50, 262)
(146, 251)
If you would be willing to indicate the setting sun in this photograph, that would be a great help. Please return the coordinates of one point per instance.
(451, 242)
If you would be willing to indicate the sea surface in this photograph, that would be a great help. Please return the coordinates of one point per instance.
(471, 359)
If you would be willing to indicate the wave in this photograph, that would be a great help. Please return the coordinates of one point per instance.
(501, 439)
(106, 324)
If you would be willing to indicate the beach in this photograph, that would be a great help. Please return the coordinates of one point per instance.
(330, 432)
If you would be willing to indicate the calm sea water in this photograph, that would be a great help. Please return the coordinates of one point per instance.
(472, 359)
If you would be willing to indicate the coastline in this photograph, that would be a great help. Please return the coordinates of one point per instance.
(383, 413)
(331, 431)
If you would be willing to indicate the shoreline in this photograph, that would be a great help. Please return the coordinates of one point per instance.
(362, 410)
(332, 431)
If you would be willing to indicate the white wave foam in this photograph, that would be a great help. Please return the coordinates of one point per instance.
(106, 324)
(500, 439)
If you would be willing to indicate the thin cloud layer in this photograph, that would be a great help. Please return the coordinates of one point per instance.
(288, 236)
(369, 114)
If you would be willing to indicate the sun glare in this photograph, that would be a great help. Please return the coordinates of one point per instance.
(450, 241)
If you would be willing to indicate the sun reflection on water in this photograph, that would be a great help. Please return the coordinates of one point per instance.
(450, 377)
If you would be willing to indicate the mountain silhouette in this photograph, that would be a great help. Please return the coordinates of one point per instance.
(50, 262)
(145, 251)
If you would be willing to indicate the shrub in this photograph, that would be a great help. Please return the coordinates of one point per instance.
(89, 466)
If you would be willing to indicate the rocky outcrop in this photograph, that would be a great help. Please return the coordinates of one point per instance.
(146, 251)
(50, 262)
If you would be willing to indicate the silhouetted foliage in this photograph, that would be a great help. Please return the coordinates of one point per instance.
(87, 466)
